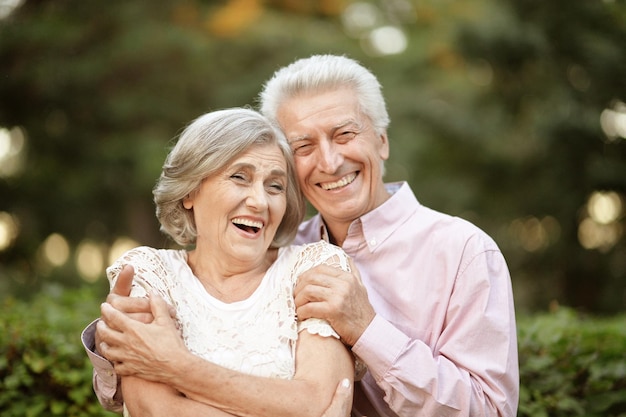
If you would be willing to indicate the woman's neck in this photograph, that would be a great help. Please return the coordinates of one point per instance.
(226, 280)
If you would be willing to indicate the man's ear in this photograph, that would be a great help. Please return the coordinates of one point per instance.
(383, 150)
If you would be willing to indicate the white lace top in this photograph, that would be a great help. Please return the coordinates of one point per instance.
(256, 336)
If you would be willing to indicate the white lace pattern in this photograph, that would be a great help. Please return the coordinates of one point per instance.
(256, 336)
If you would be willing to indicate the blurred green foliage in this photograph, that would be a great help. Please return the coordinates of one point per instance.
(44, 370)
(570, 364)
(495, 109)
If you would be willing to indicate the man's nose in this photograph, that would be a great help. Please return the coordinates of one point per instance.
(329, 157)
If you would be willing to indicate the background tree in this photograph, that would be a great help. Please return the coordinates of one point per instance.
(496, 111)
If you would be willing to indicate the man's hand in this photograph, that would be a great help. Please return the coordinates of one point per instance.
(342, 401)
(147, 350)
(340, 297)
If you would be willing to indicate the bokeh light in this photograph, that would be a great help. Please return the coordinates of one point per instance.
(379, 31)
(55, 250)
(359, 18)
(593, 235)
(601, 228)
(613, 122)
(90, 260)
(604, 207)
(386, 40)
(119, 247)
(534, 234)
(12, 146)
(9, 229)
(8, 6)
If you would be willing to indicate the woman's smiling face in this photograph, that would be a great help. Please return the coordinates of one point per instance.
(238, 210)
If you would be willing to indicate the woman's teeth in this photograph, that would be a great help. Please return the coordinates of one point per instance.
(247, 224)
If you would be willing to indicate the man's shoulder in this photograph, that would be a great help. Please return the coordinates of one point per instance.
(447, 227)
(309, 231)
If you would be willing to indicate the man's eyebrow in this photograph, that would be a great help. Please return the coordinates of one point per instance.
(348, 122)
(298, 138)
(334, 128)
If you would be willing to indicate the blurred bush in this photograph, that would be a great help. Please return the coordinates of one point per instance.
(43, 368)
(570, 364)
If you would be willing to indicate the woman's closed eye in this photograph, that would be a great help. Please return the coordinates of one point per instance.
(239, 176)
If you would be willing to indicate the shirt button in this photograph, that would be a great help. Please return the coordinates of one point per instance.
(373, 242)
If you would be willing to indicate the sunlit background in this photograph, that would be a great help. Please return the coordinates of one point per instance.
(461, 70)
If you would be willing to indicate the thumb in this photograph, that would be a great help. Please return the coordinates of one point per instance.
(341, 403)
(124, 281)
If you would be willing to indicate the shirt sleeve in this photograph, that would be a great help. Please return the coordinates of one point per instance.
(473, 368)
(105, 380)
(106, 383)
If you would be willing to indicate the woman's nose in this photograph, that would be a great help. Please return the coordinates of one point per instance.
(257, 197)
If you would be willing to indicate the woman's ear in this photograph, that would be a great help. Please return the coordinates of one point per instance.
(188, 201)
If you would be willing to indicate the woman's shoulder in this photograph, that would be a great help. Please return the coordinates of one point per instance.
(148, 261)
(150, 254)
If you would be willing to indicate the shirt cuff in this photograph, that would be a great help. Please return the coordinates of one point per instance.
(104, 376)
(380, 346)
(88, 337)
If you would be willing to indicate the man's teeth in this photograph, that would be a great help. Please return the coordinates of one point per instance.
(341, 183)
(248, 223)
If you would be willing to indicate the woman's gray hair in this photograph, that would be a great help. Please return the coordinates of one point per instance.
(204, 148)
(320, 73)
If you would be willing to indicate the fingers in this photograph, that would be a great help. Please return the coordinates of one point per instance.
(129, 305)
(107, 337)
(124, 281)
(113, 318)
(323, 275)
(159, 308)
(341, 403)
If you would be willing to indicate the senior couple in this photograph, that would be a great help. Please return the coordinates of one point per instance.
(410, 307)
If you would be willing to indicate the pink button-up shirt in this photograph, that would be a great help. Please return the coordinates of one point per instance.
(443, 342)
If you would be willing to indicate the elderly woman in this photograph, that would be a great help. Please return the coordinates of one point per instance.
(228, 192)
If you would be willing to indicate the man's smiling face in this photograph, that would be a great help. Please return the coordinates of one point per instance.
(338, 154)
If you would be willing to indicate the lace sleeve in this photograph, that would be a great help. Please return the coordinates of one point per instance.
(314, 254)
(151, 273)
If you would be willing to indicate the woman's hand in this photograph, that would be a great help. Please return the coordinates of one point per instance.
(342, 401)
(148, 350)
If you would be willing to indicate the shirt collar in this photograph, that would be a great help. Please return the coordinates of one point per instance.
(377, 225)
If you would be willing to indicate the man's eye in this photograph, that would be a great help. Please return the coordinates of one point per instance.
(345, 136)
(238, 177)
(303, 149)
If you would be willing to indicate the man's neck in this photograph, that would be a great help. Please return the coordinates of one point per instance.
(337, 232)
